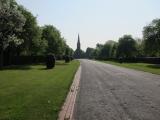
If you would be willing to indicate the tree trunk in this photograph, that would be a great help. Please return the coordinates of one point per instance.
(10, 55)
(1, 58)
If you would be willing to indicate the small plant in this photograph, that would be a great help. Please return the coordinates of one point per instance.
(50, 61)
(67, 59)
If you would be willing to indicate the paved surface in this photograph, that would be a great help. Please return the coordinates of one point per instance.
(67, 110)
(109, 92)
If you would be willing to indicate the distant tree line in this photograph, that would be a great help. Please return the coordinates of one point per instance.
(20, 35)
(129, 47)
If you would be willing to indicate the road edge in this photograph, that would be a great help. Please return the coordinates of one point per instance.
(67, 109)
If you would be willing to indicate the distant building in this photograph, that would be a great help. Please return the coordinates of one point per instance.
(78, 53)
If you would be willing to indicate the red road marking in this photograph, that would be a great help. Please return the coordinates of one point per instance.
(67, 110)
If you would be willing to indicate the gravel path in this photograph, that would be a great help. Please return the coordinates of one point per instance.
(109, 92)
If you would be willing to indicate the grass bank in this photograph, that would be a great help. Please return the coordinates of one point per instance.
(34, 93)
(152, 68)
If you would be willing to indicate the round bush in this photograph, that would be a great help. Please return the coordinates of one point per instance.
(121, 60)
(67, 59)
(50, 61)
(72, 58)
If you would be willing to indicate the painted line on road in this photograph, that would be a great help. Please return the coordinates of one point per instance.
(67, 110)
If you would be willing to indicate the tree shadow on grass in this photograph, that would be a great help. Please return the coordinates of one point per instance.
(43, 68)
(61, 63)
(155, 66)
(56, 64)
(17, 67)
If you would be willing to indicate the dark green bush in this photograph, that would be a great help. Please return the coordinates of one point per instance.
(120, 60)
(72, 58)
(50, 61)
(67, 59)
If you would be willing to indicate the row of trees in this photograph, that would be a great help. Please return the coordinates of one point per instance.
(128, 47)
(21, 35)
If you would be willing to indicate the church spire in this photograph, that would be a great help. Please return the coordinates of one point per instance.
(78, 43)
(78, 52)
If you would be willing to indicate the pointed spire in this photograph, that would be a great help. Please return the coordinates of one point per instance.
(78, 38)
(78, 43)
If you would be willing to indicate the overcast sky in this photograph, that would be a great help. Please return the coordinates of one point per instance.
(95, 20)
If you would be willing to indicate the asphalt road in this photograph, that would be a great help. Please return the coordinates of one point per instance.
(109, 92)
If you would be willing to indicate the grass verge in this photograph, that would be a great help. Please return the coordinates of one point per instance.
(34, 93)
(152, 68)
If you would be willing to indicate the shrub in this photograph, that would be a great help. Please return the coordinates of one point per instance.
(67, 59)
(59, 57)
(72, 58)
(50, 61)
(120, 60)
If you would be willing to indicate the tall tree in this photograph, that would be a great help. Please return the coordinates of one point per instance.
(90, 53)
(11, 22)
(97, 51)
(31, 34)
(69, 51)
(151, 36)
(110, 48)
(140, 47)
(56, 43)
(126, 47)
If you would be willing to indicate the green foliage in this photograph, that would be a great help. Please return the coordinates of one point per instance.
(69, 51)
(21, 35)
(90, 53)
(56, 43)
(108, 50)
(151, 36)
(127, 47)
(97, 51)
(67, 59)
(78, 54)
(140, 47)
(11, 23)
(33, 44)
(50, 61)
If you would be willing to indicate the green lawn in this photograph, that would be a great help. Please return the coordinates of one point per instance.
(152, 68)
(34, 93)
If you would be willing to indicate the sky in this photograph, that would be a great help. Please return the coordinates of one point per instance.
(96, 21)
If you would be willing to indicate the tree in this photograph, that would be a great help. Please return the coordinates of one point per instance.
(151, 36)
(78, 54)
(97, 51)
(11, 23)
(64, 48)
(107, 51)
(126, 47)
(56, 43)
(140, 47)
(69, 51)
(89, 53)
(114, 50)
(31, 34)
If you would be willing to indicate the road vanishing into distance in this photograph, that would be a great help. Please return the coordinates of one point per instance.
(109, 92)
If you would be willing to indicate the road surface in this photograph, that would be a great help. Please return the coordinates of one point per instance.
(109, 92)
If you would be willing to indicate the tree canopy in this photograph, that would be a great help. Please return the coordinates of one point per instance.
(151, 36)
(20, 34)
(126, 47)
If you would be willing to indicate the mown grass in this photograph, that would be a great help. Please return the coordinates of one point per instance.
(152, 68)
(34, 93)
